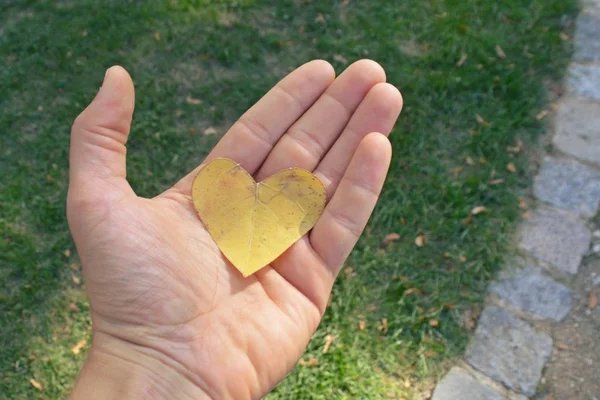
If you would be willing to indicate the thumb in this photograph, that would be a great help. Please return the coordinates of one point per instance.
(99, 134)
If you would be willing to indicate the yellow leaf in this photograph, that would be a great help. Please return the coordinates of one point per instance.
(433, 322)
(36, 384)
(77, 348)
(253, 223)
(362, 325)
(67, 253)
(511, 167)
(462, 61)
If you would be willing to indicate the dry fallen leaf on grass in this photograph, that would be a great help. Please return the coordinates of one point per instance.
(349, 272)
(36, 384)
(67, 253)
(73, 307)
(413, 291)
(469, 161)
(523, 203)
(420, 240)
(517, 148)
(390, 237)
(500, 52)
(253, 223)
(310, 363)
(592, 300)
(341, 59)
(77, 348)
(462, 61)
(328, 340)
(481, 121)
(210, 131)
(362, 325)
(76, 280)
(478, 210)
(320, 19)
(156, 35)
(383, 328)
(433, 322)
(429, 353)
(511, 168)
(462, 259)
(541, 115)
(457, 171)
(468, 320)
(496, 182)
(191, 100)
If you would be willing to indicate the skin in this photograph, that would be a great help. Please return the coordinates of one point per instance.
(171, 317)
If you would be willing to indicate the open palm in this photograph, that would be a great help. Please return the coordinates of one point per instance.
(162, 294)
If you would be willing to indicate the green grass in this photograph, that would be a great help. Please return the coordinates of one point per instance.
(228, 53)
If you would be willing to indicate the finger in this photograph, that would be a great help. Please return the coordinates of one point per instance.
(99, 134)
(309, 139)
(346, 215)
(253, 136)
(378, 112)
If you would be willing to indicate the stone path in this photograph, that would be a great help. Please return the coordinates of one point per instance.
(539, 335)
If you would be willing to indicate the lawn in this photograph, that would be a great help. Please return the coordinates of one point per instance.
(474, 74)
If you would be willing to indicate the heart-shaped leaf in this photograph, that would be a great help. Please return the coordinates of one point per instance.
(253, 223)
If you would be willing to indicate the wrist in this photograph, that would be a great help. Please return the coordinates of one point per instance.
(116, 369)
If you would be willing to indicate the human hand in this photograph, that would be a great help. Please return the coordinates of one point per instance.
(171, 317)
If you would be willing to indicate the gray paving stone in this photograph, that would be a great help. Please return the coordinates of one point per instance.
(585, 80)
(509, 350)
(555, 238)
(587, 38)
(591, 6)
(568, 185)
(578, 129)
(459, 385)
(533, 292)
